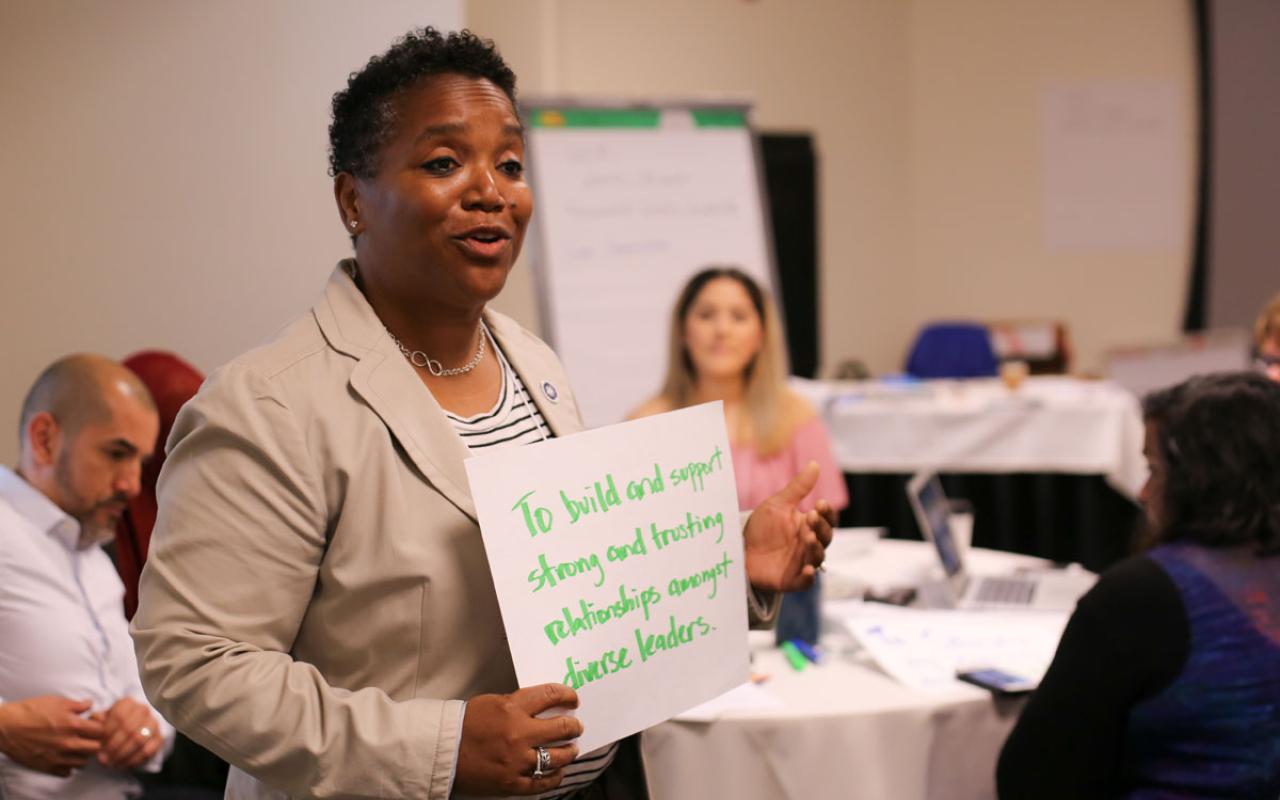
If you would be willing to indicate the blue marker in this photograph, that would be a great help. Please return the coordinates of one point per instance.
(805, 649)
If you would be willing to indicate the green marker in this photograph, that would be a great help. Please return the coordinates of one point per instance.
(794, 656)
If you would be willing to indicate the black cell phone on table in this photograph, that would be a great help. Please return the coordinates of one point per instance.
(998, 682)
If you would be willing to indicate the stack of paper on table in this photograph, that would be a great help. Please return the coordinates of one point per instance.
(925, 648)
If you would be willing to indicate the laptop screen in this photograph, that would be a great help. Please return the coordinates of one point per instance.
(934, 511)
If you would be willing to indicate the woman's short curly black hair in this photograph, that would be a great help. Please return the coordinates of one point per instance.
(1219, 437)
(364, 112)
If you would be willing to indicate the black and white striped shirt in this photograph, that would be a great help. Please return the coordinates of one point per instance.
(515, 420)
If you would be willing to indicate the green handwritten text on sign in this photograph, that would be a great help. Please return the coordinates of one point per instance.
(617, 558)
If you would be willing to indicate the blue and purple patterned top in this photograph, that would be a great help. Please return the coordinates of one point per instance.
(1215, 730)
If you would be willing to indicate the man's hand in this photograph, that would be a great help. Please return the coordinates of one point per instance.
(500, 732)
(131, 735)
(48, 734)
(783, 547)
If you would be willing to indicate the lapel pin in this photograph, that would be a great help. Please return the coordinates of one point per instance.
(549, 389)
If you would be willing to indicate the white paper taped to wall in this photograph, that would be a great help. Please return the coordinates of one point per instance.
(1116, 166)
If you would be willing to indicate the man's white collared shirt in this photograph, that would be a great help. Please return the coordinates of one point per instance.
(63, 632)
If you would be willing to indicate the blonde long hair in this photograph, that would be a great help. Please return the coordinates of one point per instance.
(1268, 324)
(765, 396)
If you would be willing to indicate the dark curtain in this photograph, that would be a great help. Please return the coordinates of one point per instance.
(1063, 518)
(791, 185)
(1195, 315)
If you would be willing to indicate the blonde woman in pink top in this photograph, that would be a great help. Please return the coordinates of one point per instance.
(725, 345)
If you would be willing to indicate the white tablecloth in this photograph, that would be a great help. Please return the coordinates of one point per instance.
(1050, 424)
(845, 730)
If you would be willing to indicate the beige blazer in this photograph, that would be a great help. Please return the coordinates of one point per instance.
(317, 599)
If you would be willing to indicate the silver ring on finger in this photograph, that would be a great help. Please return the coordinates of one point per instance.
(145, 732)
(544, 762)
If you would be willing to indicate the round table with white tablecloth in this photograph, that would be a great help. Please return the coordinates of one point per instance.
(843, 728)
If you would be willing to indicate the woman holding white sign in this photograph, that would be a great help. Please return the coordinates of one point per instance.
(725, 345)
(317, 606)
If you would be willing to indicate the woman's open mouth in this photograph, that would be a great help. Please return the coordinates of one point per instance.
(486, 242)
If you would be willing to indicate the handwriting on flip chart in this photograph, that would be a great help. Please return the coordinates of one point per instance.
(617, 558)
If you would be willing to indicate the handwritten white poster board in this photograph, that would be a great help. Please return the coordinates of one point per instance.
(617, 558)
(632, 201)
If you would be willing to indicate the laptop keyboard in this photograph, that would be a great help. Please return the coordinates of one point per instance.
(1007, 591)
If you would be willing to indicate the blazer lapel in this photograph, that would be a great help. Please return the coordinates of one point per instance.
(541, 373)
(384, 380)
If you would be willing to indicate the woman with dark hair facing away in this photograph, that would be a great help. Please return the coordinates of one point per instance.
(317, 607)
(1166, 683)
(725, 344)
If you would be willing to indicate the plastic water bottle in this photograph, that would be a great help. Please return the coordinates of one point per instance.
(800, 616)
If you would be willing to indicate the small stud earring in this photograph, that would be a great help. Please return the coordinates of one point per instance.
(353, 224)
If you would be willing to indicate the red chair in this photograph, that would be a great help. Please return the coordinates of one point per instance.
(172, 383)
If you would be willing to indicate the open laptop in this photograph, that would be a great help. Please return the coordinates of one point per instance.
(1049, 591)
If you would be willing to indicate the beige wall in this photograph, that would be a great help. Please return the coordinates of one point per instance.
(979, 72)
(840, 69)
(164, 171)
(927, 120)
(165, 161)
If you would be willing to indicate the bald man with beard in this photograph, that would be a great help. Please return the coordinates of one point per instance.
(73, 719)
